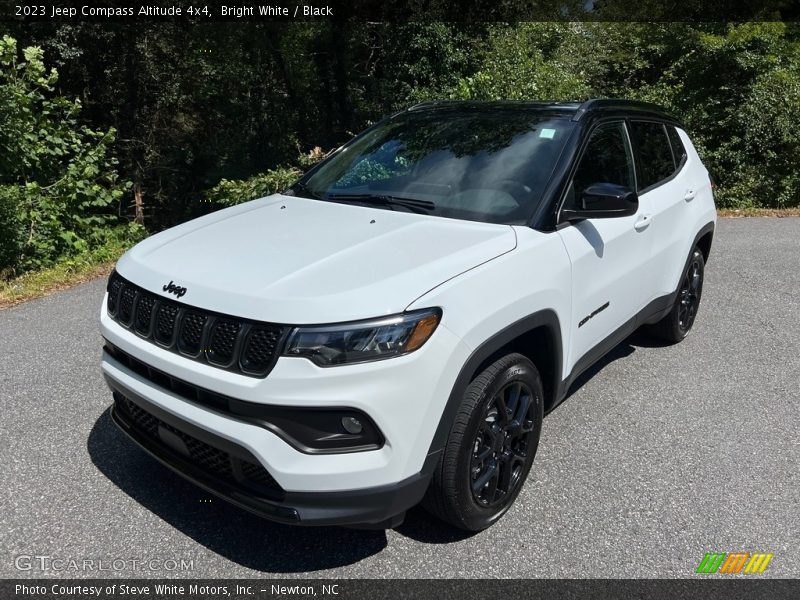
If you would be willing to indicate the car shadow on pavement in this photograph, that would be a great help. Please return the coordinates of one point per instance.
(423, 527)
(233, 533)
(621, 350)
(638, 339)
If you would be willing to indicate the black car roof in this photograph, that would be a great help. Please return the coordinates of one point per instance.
(578, 111)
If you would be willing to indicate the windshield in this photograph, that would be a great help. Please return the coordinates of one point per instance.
(478, 164)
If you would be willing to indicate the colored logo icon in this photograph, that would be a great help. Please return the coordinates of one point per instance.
(734, 562)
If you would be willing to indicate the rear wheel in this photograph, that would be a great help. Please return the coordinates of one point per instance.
(677, 324)
(491, 445)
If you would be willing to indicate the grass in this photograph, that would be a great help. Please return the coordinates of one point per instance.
(758, 212)
(65, 274)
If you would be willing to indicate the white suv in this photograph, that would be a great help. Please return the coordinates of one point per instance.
(393, 327)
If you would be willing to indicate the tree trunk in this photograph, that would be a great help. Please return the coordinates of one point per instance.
(138, 204)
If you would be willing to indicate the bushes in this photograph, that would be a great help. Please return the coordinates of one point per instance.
(57, 180)
(529, 61)
(761, 161)
(10, 235)
(70, 270)
(230, 192)
(737, 87)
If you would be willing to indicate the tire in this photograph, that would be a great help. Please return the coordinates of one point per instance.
(487, 457)
(678, 323)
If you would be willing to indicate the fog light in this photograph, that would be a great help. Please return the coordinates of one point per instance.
(352, 425)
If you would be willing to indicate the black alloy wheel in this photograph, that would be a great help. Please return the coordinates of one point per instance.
(491, 445)
(501, 447)
(691, 290)
(677, 324)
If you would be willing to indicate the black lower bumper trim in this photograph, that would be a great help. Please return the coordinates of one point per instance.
(361, 507)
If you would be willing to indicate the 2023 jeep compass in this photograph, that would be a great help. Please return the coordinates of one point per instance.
(393, 327)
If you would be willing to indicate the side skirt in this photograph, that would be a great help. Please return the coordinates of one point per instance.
(651, 313)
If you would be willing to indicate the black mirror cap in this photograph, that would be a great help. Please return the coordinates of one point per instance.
(604, 201)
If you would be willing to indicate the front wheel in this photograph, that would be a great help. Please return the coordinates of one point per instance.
(677, 324)
(491, 445)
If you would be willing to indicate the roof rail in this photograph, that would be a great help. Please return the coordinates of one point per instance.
(611, 103)
(426, 103)
(585, 106)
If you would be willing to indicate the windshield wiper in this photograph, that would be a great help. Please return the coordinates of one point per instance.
(420, 206)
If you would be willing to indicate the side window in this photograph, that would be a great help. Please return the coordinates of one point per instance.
(655, 155)
(607, 159)
(678, 150)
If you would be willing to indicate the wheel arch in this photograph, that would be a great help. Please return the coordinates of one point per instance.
(537, 336)
(701, 240)
(706, 236)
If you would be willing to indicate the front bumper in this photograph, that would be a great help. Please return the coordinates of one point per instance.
(404, 397)
(379, 506)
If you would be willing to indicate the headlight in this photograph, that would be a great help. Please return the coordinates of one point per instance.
(361, 341)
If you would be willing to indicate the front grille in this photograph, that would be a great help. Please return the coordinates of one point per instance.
(146, 422)
(114, 286)
(213, 459)
(192, 332)
(224, 334)
(127, 298)
(259, 348)
(144, 314)
(204, 456)
(257, 473)
(240, 345)
(165, 323)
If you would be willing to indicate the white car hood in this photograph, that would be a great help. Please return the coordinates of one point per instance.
(293, 260)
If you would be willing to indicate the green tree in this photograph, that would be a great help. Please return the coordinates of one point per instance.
(530, 61)
(197, 105)
(737, 89)
(57, 183)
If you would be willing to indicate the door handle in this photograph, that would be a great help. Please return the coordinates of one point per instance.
(643, 222)
(690, 194)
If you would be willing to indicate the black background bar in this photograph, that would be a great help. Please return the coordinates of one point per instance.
(698, 587)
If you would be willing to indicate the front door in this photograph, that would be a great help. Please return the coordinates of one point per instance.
(609, 256)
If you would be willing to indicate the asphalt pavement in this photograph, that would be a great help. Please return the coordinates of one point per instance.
(659, 455)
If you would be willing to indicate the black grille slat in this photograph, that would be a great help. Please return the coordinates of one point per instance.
(146, 422)
(144, 314)
(191, 335)
(222, 341)
(165, 323)
(241, 345)
(260, 347)
(125, 307)
(257, 474)
(210, 458)
(114, 287)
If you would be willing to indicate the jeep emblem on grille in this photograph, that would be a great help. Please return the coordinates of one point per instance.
(171, 288)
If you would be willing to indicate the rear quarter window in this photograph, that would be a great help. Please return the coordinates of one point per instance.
(655, 154)
(678, 149)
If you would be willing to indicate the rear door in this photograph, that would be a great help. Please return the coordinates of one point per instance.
(608, 256)
(665, 188)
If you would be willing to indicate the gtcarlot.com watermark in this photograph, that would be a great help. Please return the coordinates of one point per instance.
(44, 563)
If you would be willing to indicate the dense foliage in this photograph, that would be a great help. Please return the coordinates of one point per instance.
(56, 178)
(214, 115)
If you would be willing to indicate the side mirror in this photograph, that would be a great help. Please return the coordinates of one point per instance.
(603, 201)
